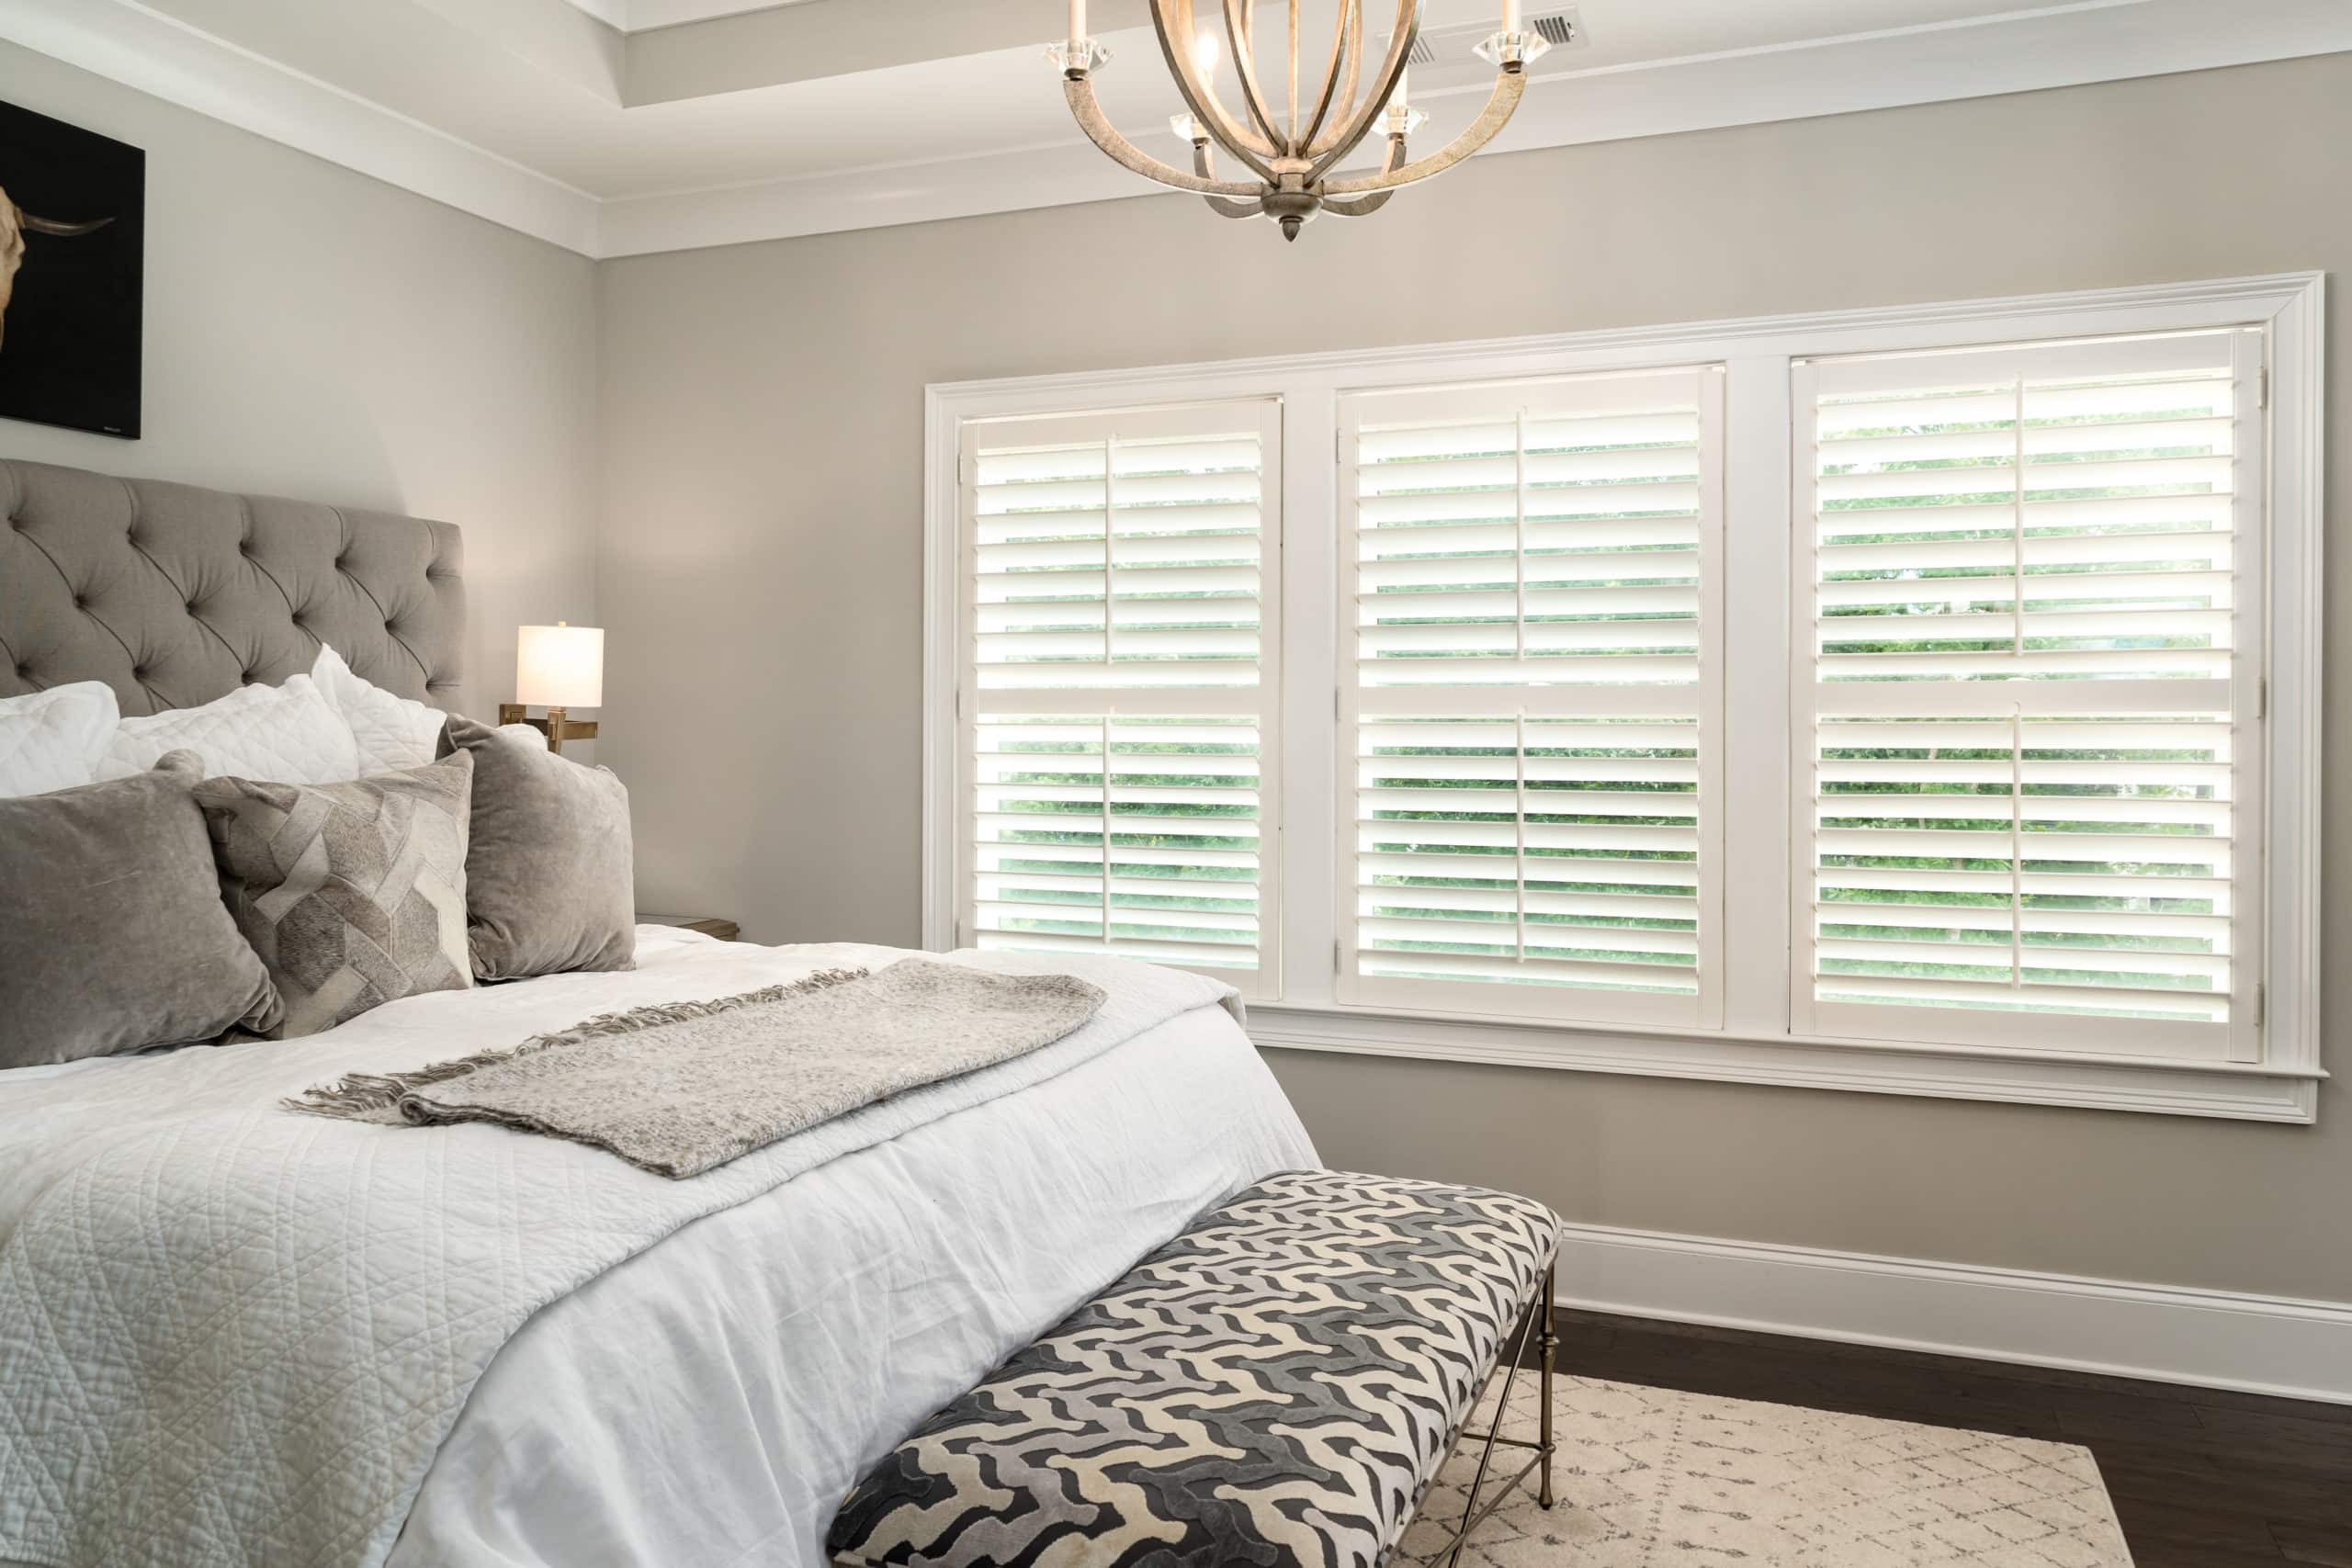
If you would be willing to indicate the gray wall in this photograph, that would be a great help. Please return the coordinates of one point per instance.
(763, 528)
(314, 332)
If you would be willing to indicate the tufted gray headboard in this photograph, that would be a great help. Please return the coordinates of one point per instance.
(174, 596)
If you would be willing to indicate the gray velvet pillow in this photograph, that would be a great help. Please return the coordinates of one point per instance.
(115, 936)
(549, 881)
(353, 894)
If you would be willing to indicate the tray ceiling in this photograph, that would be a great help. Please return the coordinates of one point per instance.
(614, 127)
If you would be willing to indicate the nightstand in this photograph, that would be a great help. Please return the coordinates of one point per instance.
(709, 925)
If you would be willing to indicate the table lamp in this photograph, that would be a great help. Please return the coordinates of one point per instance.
(557, 668)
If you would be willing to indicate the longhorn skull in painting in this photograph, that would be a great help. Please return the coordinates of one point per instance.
(15, 224)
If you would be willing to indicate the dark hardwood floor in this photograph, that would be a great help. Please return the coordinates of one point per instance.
(2200, 1478)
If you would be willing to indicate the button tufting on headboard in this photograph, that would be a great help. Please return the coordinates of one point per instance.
(203, 585)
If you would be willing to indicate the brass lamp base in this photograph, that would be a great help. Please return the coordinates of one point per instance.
(555, 727)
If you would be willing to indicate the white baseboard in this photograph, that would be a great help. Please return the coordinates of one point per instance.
(2300, 1349)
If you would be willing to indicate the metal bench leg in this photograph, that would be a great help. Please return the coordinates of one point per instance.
(1513, 1357)
(1550, 1344)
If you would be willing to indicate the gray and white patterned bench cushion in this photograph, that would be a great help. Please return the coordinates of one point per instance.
(1275, 1387)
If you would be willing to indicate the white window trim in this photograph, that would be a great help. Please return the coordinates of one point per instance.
(1754, 1045)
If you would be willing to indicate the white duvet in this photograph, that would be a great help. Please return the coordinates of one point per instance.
(233, 1335)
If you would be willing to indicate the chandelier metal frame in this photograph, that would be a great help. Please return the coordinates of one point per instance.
(1290, 158)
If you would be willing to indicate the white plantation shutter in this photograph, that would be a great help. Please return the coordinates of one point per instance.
(1117, 689)
(2029, 801)
(1529, 671)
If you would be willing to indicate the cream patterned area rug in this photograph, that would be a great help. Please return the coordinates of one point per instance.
(1650, 1478)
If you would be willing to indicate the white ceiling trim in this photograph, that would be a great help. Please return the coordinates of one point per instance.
(126, 42)
(2017, 51)
(644, 15)
(614, 14)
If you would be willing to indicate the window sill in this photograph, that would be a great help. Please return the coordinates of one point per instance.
(2236, 1091)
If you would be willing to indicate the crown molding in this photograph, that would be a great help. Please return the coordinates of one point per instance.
(614, 14)
(142, 48)
(644, 15)
(2093, 41)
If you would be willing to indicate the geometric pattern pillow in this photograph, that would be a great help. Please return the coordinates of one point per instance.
(353, 894)
(1274, 1387)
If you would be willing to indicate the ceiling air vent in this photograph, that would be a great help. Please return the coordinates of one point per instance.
(1453, 52)
(1559, 27)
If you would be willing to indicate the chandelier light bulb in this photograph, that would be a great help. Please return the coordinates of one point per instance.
(1205, 53)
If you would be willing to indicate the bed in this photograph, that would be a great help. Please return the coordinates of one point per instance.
(230, 1334)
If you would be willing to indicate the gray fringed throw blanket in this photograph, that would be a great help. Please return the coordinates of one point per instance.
(678, 1089)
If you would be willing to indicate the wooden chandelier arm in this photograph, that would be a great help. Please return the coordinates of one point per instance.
(1079, 91)
(1509, 87)
(1356, 126)
(1241, 34)
(1365, 206)
(1343, 56)
(1172, 19)
(1204, 165)
(1347, 99)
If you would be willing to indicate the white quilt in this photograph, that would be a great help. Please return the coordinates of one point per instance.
(231, 1334)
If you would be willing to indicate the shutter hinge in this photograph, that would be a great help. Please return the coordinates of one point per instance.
(2262, 388)
(1338, 445)
(2261, 1002)
(1335, 956)
(1335, 702)
(2262, 697)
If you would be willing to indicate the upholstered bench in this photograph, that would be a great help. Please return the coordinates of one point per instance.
(1277, 1386)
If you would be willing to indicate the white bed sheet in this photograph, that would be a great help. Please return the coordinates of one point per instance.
(709, 1402)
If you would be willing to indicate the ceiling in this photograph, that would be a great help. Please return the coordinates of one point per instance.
(616, 127)
(644, 15)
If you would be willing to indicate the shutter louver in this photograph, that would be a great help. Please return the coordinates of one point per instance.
(1529, 683)
(2031, 816)
(1118, 683)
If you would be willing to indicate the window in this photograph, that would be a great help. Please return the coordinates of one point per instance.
(1116, 711)
(1921, 701)
(1527, 697)
(2035, 812)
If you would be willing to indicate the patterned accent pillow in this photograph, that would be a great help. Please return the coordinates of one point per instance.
(353, 894)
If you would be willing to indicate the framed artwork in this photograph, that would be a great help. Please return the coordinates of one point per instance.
(73, 242)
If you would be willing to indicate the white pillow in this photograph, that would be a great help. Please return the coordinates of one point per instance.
(53, 739)
(391, 732)
(287, 734)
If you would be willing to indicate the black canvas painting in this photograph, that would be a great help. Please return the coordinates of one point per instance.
(72, 236)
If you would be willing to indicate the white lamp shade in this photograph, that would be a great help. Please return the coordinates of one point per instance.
(560, 666)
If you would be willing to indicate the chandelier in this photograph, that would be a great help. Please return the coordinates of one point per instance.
(1290, 158)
